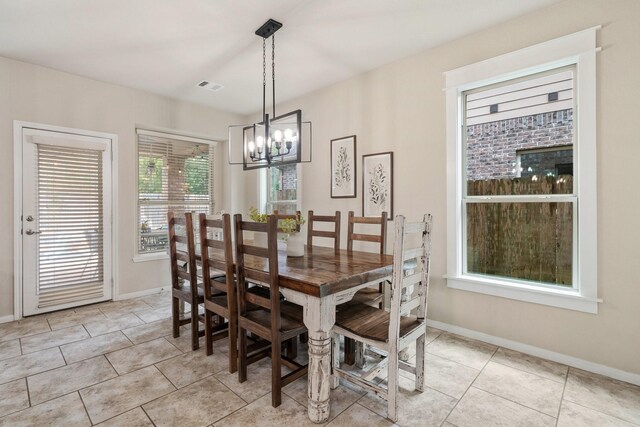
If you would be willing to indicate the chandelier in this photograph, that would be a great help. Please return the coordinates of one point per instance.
(276, 140)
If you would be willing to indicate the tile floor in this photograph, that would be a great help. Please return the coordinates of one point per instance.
(116, 364)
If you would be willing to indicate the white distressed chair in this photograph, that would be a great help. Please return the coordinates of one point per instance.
(388, 332)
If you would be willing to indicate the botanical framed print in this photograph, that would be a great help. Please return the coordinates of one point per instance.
(377, 184)
(343, 167)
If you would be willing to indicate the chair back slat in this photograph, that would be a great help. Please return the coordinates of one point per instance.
(252, 226)
(407, 275)
(184, 275)
(213, 243)
(380, 238)
(410, 254)
(255, 251)
(220, 287)
(258, 300)
(257, 276)
(181, 239)
(270, 278)
(335, 234)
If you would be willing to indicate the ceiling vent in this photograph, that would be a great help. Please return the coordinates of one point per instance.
(214, 87)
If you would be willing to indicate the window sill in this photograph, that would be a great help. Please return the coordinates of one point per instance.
(150, 257)
(568, 299)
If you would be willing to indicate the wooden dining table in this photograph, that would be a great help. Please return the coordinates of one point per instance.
(319, 281)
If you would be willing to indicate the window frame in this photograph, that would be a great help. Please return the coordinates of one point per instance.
(160, 255)
(578, 50)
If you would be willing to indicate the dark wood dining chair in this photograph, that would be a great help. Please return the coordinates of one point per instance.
(265, 316)
(220, 299)
(183, 270)
(312, 232)
(389, 332)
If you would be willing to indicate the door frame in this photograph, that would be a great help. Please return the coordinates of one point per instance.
(18, 128)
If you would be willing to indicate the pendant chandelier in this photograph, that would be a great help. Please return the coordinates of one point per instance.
(276, 140)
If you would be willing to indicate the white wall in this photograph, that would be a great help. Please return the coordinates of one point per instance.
(37, 94)
(401, 107)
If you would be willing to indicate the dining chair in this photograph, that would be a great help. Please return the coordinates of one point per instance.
(389, 332)
(181, 233)
(266, 317)
(220, 299)
(311, 232)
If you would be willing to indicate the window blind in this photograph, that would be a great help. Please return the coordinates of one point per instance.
(70, 221)
(173, 175)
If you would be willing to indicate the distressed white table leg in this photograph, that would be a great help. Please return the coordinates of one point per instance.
(319, 317)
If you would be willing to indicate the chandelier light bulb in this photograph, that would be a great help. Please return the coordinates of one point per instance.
(277, 135)
(288, 134)
(251, 146)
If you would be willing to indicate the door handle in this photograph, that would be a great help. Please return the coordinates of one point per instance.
(31, 232)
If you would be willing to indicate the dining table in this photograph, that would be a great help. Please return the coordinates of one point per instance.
(319, 281)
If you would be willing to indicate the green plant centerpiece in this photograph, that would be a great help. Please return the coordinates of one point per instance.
(291, 225)
(256, 216)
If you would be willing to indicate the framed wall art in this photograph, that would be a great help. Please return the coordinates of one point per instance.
(343, 167)
(377, 184)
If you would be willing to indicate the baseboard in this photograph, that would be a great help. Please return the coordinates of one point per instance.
(574, 362)
(8, 318)
(138, 294)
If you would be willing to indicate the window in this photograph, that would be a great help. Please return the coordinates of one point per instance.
(174, 174)
(516, 133)
(280, 186)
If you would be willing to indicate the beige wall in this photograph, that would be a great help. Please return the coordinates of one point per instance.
(401, 107)
(37, 94)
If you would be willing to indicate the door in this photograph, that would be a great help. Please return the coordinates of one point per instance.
(66, 220)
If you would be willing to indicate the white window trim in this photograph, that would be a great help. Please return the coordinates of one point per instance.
(170, 134)
(577, 49)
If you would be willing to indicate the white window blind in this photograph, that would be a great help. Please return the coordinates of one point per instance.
(176, 175)
(70, 217)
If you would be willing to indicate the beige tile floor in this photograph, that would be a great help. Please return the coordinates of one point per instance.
(116, 364)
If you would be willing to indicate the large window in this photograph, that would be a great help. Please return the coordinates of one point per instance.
(174, 174)
(519, 200)
(521, 158)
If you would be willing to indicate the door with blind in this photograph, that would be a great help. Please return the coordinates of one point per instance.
(66, 220)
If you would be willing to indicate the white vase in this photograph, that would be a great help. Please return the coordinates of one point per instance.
(295, 245)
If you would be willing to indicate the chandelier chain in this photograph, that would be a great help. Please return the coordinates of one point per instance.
(273, 72)
(264, 75)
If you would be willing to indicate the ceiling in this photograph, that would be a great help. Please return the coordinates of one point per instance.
(168, 46)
